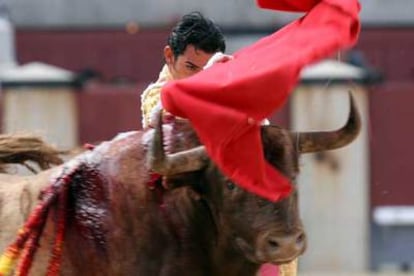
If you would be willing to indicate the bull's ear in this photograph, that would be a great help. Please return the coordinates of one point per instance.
(275, 139)
(189, 180)
(279, 150)
(182, 180)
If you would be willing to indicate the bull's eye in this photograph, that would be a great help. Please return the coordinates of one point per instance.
(230, 185)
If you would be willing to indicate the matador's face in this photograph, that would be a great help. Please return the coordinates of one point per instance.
(188, 63)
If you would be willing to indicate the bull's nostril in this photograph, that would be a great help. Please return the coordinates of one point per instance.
(273, 244)
(300, 239)
(275, 247)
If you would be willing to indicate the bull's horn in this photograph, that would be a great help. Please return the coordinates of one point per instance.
(328, 140)
(171, 164)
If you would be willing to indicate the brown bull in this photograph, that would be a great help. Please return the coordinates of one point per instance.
(120, 221)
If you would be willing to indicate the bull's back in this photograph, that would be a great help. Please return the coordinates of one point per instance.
(120, 165)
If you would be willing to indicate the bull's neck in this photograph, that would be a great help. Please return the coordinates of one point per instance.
(229, 259)
(190, 231)
(201, 241)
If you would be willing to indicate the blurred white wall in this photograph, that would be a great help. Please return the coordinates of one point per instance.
(7, 51)
(333, 185)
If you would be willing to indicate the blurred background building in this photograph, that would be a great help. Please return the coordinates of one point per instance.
(100, 54)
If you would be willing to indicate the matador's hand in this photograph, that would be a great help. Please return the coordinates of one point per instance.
(218, 57)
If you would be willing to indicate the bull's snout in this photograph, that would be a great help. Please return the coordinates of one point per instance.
(278, 248)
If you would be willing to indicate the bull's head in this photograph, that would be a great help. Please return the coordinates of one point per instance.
(261, 230)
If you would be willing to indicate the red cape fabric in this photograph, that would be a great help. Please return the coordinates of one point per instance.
(226, 102)
(288, 5)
